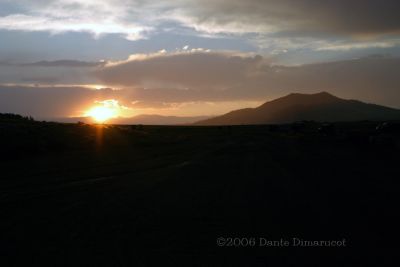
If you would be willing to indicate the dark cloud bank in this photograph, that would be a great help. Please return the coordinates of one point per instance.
(223, 76)
(348, 17)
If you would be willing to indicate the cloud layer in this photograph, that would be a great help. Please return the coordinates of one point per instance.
(358, 19)
(97, 17)
(185, 70)
(59, 72)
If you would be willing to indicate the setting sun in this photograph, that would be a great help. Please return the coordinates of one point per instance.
(104, 110)
(101, 114)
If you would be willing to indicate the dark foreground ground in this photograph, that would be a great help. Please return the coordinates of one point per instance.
(79, 195)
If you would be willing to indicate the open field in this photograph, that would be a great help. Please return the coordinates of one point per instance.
(83, 195)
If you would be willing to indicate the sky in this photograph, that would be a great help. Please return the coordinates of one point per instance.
(60, 58)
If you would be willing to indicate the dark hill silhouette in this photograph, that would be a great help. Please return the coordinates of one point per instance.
(14, 118)
(296, 107)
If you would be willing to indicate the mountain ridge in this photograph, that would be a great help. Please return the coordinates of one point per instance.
(321, 106)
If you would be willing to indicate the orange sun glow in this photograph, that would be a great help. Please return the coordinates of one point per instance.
(101, 114)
